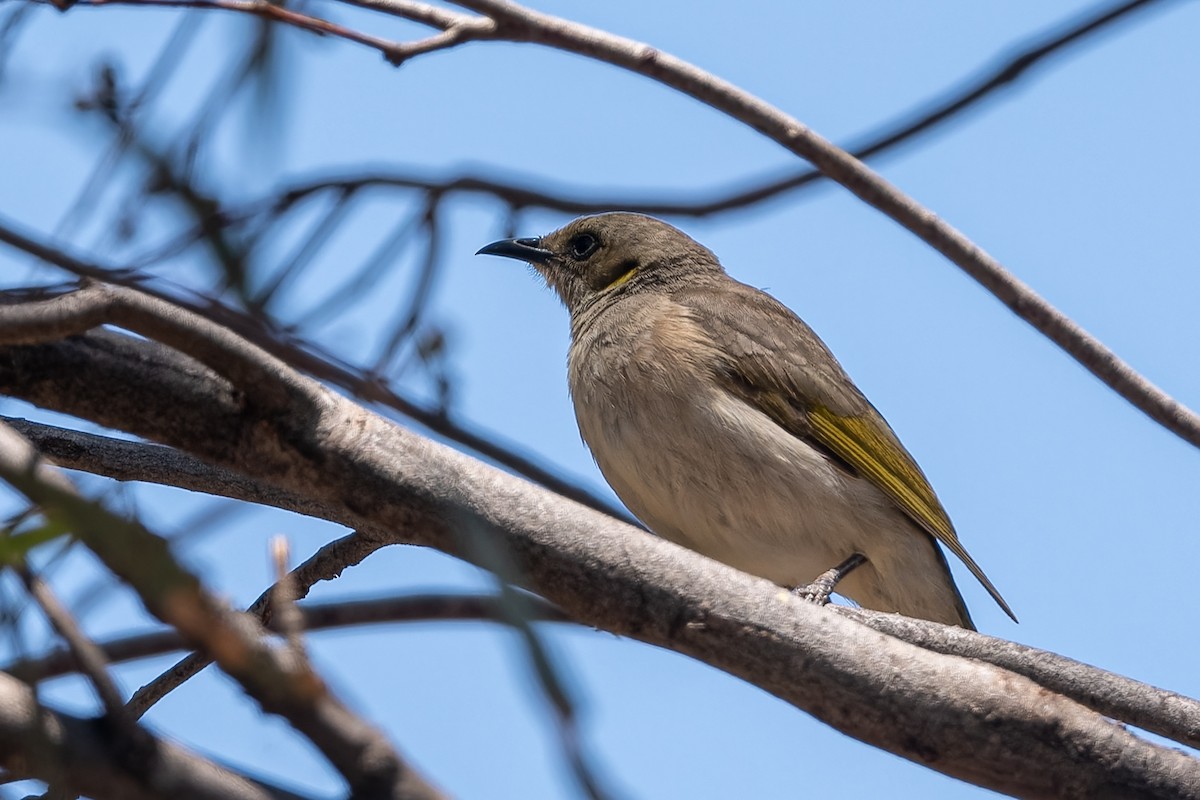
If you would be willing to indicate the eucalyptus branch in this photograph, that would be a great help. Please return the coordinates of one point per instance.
(968, 719)
(366, 760)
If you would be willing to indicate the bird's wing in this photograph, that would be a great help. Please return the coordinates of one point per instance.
(778, 365)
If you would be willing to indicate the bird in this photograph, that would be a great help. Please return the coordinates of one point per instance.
(723, 423)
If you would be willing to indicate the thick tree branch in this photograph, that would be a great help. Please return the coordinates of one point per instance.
(1159, 711)
(1156, 710)
(366, 760)
(968, 719)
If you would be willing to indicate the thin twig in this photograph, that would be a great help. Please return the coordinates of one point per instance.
(266, 10)
(324, 366)
(530, 192)
(523, 24)
(326, 564)
(457, 29)
(332, 615)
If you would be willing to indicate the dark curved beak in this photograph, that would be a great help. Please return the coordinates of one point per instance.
(520, 249)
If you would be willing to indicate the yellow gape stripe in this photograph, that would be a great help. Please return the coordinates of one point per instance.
(621, 281)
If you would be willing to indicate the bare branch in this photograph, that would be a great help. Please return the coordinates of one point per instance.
(962, 717)
(366, 760)
(522, 24)
(316, 617)
(519, 24)
(424, 13)
(1156, 710)
(527, 192)
(99, 304)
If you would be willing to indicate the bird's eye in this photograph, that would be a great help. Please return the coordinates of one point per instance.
(583, 245)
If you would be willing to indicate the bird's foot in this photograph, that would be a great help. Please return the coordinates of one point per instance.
(819, 590)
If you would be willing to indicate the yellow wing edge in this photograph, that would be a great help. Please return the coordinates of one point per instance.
(868, 446)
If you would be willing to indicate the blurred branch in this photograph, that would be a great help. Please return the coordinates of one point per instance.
(366, 760)
(972, 720)
(512, 22)
(89, 659)
(270, 11)
(36, 742)
(321, 365)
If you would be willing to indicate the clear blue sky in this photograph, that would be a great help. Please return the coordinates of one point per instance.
(1082, 181)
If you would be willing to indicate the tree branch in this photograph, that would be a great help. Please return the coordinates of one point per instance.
(88, 657)
(526, 192)
(316, 616)
(1156, 710)
(281, 686)
(1148, 707)
(522, 24)
(327, 563)
(962, 717)
(519, 24)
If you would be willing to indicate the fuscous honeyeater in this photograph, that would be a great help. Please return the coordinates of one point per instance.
(726, 425)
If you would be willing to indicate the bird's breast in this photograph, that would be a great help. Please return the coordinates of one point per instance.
(700, 466)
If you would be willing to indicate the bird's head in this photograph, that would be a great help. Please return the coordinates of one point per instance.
(608, 256)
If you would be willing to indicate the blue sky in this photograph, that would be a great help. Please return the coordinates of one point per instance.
(1081, 180)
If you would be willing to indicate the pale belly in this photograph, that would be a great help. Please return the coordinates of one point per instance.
(721, 478)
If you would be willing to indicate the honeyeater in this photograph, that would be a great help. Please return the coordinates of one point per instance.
(725, 425)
